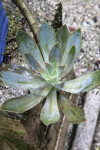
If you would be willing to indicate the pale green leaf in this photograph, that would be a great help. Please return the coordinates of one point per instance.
(55, 56)
(34, 65)
(74, 39)
(49, 68)
(24, 103)
(72, 113)
(47, 40)
(84, 83)
(62, 36)
(60, 71)
(69, 61)
(21, 104)
(59, 84)
(21, 81)
(19, 69)
(50, 112)
(42, 90)
(27, 44)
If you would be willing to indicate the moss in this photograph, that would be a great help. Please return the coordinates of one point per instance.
(14, 141)
(15, 24)
(17, 116)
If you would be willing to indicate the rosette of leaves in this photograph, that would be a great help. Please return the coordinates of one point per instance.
(50, 63)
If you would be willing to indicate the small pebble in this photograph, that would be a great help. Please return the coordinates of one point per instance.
(95, 19)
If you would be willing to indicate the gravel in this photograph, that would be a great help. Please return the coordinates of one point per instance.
(43, 10)
(85, 14)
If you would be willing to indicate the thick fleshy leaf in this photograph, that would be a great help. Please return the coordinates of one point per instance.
(69, 61)
(23, 103)
(20, 81)
(47, 40)
(74, 39)
(50, 112)
(49, 68)
(53, 77)
(84, 83)
(27, 44)
(55, 56)
(73, 113)
(59, 84)
(19, 69)
(60, 71)
(62, 36)
(34, 65)
(24, 71)
(40, 90)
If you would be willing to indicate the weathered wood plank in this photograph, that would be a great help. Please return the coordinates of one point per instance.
(13, 135)
(85, 131)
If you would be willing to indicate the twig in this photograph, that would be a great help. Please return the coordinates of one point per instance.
(28, 16)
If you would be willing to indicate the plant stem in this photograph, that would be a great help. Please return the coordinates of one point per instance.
(28, 16)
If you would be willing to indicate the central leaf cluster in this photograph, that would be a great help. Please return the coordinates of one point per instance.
(57, 57)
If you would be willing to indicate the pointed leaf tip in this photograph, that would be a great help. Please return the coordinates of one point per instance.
(84, 83)
(47, 39)
(26, 102)
(27, 44)
(21, 104)
(16, 80)
(73, 39)
(62, 36)
(69, 61)
(72, 113)
(55, 55)
(79, 30)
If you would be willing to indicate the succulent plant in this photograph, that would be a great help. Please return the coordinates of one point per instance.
(50, 63)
